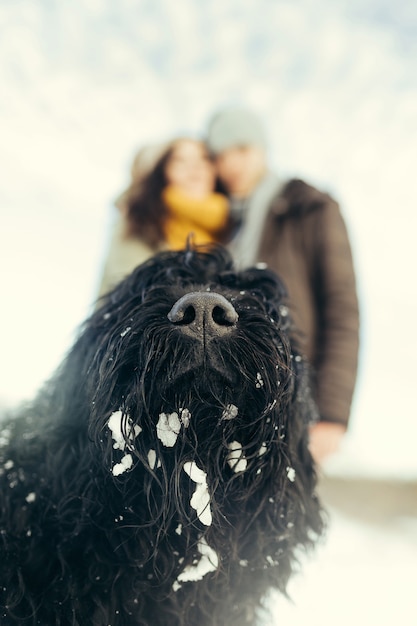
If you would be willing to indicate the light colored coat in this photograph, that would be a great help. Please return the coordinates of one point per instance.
(124, 254)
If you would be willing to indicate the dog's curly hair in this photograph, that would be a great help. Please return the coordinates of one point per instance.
(162, 477)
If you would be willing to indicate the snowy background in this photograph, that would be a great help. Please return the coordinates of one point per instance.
(84, 84)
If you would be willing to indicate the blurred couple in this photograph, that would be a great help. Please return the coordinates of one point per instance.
(222, 190)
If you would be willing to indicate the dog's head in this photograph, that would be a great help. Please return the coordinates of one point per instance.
(200, 404)
(186, 335)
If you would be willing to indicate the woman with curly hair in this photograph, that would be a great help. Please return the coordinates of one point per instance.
(172, 195)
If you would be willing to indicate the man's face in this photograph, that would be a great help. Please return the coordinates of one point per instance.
(241, 168)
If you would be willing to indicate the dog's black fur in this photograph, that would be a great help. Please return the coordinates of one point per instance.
(88, 541)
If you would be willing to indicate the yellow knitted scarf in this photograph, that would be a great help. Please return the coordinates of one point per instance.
(204, 217)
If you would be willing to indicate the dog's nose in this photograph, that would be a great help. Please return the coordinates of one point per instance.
(202, 312)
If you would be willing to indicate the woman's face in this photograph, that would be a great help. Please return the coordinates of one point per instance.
(190, 169)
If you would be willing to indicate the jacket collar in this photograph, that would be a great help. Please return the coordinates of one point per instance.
(297, 197)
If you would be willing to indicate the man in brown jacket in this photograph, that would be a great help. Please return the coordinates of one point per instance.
(298, 232)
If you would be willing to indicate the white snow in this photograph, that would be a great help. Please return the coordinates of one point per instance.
(152, 459)
(262, 449)
(31, 497)
(236, 458)
(230, 412)
(208, 562)
(259, 381)
(290, 473)
(125, 464)
(115, 425)
(5, 435)
(200, 500)
(185, 417)
(363, 574)
(168, 428)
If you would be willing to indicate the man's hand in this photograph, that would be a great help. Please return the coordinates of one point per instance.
(325, 440)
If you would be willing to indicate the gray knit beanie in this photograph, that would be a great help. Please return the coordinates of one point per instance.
(234, 127)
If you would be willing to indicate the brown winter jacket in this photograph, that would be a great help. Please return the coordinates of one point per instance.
(305, 241)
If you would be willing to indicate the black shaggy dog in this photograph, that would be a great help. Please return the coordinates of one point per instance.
(162, 477)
